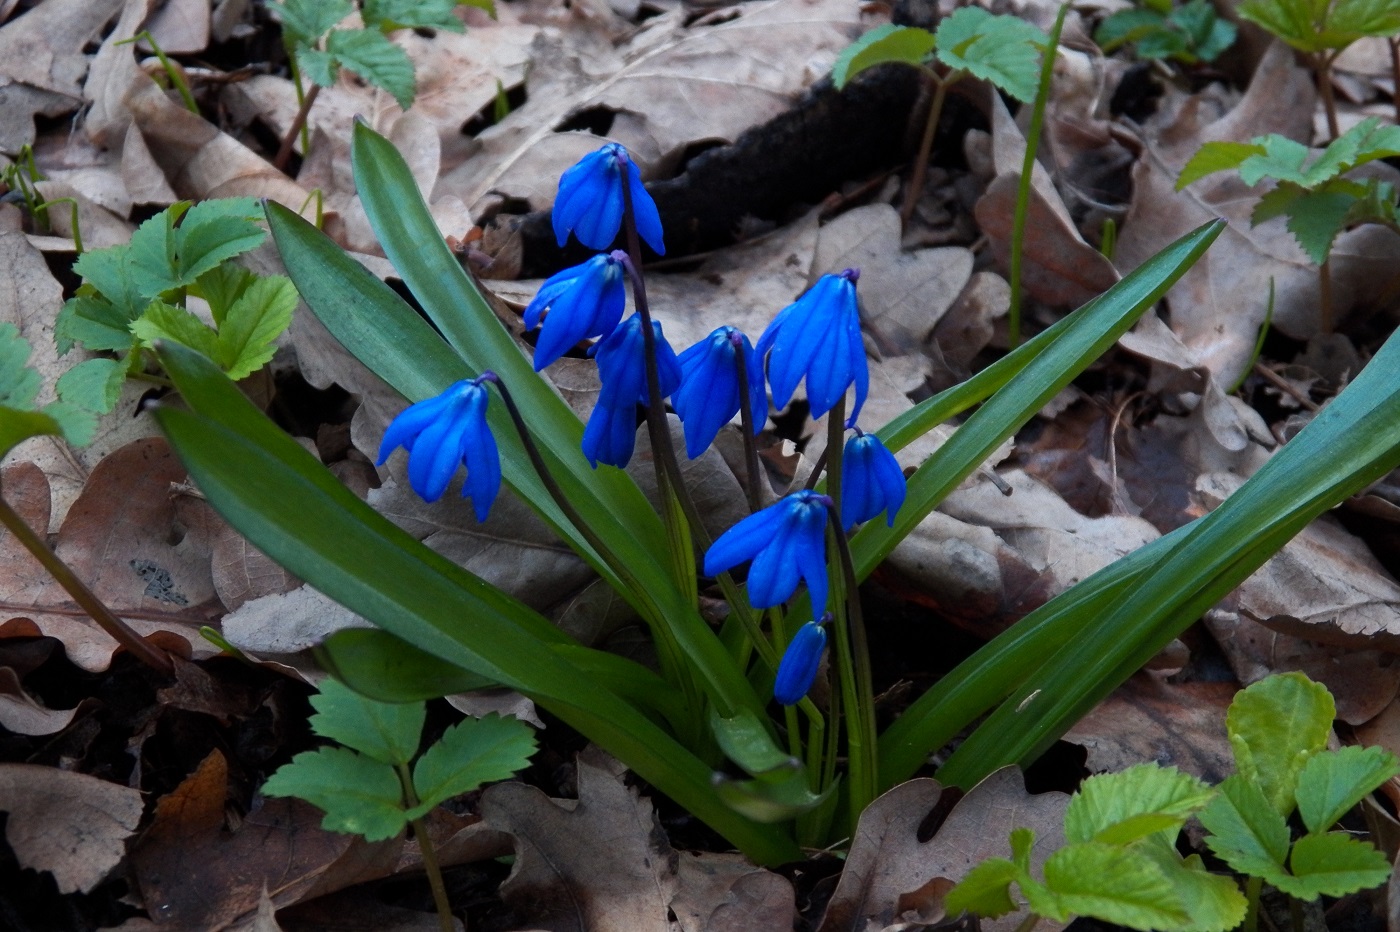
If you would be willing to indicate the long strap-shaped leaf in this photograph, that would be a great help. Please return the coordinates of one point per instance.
(294, 510)
(1354, 441)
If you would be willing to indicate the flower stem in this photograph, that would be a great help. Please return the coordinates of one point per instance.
(746, 425)
(284, 151)
(425, 848)
(935, 110)
(1322, 64)
(151, 656)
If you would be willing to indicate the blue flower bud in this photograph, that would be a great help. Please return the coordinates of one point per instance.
(590, 201)
(871, 481)
(817, 337)
(709, 394)
(440, 433)
(798, 667)
(786, 541)
(583, 301)
(611, 432)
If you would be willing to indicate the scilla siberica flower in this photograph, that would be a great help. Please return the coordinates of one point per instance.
(612, 427)
(817, 337)
(589, 201)
(441, 433)
(786, 541)
(798, 668)
(709, 394)
(583, 301)
(871, 481)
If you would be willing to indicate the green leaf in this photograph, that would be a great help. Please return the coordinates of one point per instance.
(388, 15)
(306, 21)
(746, 741)
(318, 65)
(1275, 725)
(360, 796)
(1246, 830)
(471, 753)
(909, 45)
(19, 384)
(1126, 26)
(387, 732)
(373, 57)
(248, 334)
(376, 664)
(1214, 902)
(770, 800)
(1332, 782)
(1001, 49)
(111, 273)
(1216, 157)
(1333, 864)
(1119, 808)
(98, 324)
(1119, 885)
(986, 890)
(165, 257)
(167, 322)
(488, 6)
(1314, 217)
(221, 286)
(93, 385)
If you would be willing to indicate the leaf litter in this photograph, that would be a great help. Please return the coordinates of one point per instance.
(1157, 440)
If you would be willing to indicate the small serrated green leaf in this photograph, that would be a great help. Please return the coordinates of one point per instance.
(1119, 808)
(19, 384)
(1022, 841)
(113, 277)
(1214, 901)
(167, 322)
(470, 754)
(1115, 884)
(306, 21)
(318, 65)
(221, 286)
(94, 384)
(1315, 218)
(1332, 864)
(373, 57)
(360, 796)
(247, 337)
(985, 891)
(95, 322)
(908, 45)
(1275, 725)
(1246, 830)
(389, 733)
(1216, 157)
(215, 231)
(388, 15)
(1332, 782)
(76, 425)
(1126, 26)
(1004, 50)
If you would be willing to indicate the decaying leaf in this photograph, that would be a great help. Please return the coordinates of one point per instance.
(69, 824)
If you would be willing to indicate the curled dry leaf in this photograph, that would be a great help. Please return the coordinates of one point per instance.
(43, 63)
(70, 824)
(891, 874)
(22, 714)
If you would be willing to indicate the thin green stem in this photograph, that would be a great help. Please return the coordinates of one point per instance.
(172, 70)
(935, 110)
(151, 656)
(425, 848)
(1023, 189)
(1252, 888)
(853, 654)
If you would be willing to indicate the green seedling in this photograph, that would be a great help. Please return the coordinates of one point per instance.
(136, 293)
(20, 176)
(1311, 190)
(318, 49)
(366, 786)
(1120, 862)
(1191, 33)
(1278, 728)
(1004, 50)
(1322, 30)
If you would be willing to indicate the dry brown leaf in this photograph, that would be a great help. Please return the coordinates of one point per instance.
(22, 714)
(968, 326)
(356, 910)
(180, 27)
(113, 75)
(598, 862)
(69, 824)
(284, 625)
(43, 48)
(890, 872)
(1178, 725)
(196, 874)
(726, 893)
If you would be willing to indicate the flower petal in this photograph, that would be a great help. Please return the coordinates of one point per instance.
(800, 663)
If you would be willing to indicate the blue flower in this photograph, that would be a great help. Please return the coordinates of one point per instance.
(590, 201)
(612, 427)
(798, 667)
(817, 337)
(440, 433)
(871, 481)
(785, 541)
(583, 301)
(709, 394)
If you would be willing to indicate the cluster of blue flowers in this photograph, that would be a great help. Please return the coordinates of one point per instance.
(815, 339)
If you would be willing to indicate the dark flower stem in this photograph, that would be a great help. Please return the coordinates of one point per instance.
(142, 650)
(935, 110)
(1322, 65)
(284, 151)
(425, 848)
(746, 424)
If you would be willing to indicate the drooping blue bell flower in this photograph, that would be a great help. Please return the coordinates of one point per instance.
(442, 433)
(817, 337)
(583, 301)
(800, 662)
(709, 394)
(590, 202)
(787, 542)
(871, 481)
(611, 431)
